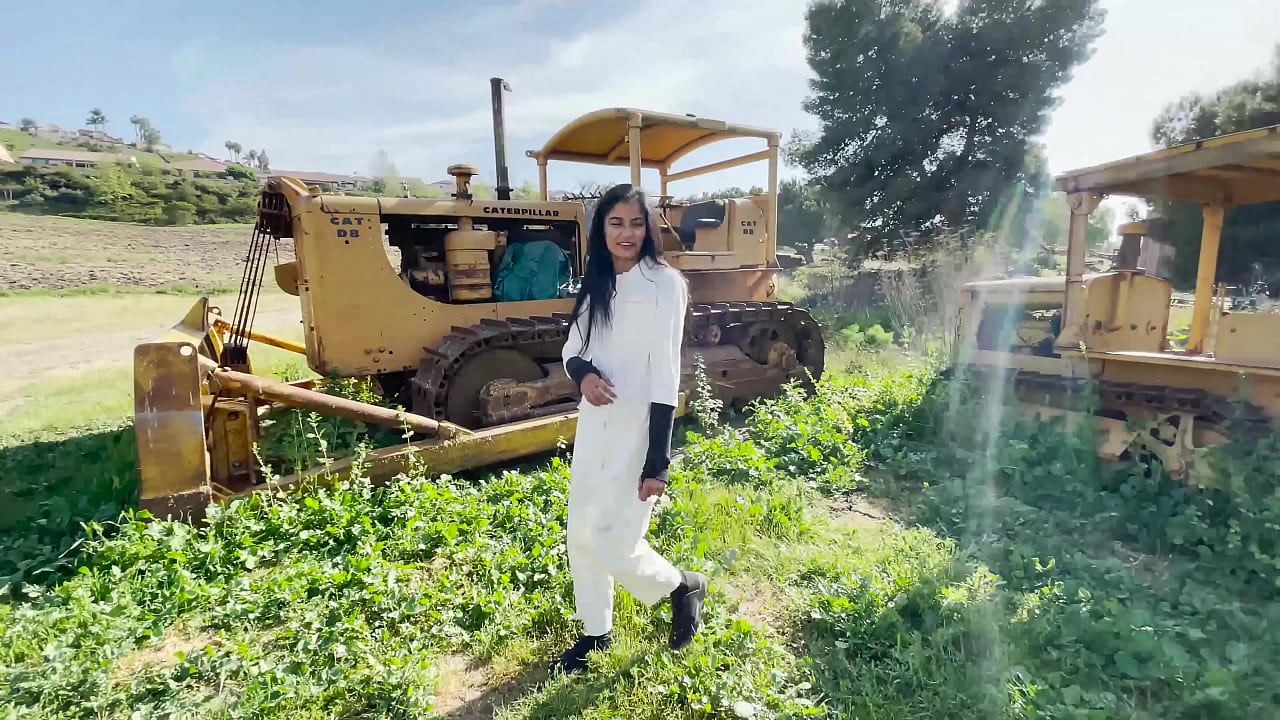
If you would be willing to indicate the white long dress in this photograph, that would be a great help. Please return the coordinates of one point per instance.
(639, 352)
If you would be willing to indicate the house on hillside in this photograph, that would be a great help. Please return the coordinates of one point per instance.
(99, 136)
(158, 147)
(198, 166)
(326, 181)
(56, 157)
(53, 132)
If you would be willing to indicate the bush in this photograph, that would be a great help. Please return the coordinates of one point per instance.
(126, 194)
(179, 213)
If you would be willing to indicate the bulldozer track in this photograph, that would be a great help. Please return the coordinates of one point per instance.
(1214, 408)
(705, 325)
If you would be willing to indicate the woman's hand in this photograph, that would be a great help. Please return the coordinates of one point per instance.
(651, 487)
(597, 389)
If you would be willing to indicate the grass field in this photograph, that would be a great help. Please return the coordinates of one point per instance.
(895, 547)
(68, 324)
(861, 568)
(69, 360)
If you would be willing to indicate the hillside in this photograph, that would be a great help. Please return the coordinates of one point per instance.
(18, 142)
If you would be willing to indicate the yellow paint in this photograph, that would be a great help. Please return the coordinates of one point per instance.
(1126, 311)
(169, 422)
(225, 327)
(659, 140)
(1249, 339)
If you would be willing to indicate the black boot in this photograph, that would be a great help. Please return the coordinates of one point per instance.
(686, 608)
(575, 658)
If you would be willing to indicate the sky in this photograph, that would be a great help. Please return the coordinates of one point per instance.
(324, 85)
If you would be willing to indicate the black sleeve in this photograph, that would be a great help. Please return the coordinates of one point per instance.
(658, 458)
(579, 369)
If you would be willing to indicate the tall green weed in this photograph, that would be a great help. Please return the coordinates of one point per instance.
(1037, 582)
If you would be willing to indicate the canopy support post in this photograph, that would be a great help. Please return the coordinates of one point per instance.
(1082, 205)
(1206, 272)
(633, 125)
(773, 193)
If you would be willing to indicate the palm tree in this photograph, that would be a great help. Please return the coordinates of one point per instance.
(251, 157)
(96, 119)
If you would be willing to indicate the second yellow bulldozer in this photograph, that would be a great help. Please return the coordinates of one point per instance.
(1105, 335)
(465, 330)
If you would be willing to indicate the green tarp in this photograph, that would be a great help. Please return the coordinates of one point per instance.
(531, 271)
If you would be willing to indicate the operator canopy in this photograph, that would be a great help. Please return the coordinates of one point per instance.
(600, 137)
(1237, 169)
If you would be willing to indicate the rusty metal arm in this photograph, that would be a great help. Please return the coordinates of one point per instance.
(325, 404)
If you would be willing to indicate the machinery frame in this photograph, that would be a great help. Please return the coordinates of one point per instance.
(197, 404)
(1113, 330)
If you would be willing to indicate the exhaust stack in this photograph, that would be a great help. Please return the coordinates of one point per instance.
(496, 86)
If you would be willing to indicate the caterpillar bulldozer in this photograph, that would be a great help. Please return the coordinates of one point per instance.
(1096, 345)
(457, 308)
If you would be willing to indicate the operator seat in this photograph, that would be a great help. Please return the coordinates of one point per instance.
(705, 214)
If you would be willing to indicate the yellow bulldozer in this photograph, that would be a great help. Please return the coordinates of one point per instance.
(465, 334)
(1105, 336)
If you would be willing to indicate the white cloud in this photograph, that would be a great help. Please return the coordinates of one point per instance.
(421, 92)
(332, 109)
(1152, 52)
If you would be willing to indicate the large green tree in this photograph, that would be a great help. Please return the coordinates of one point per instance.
(1248, 252)
(927, 117)
(803, 219)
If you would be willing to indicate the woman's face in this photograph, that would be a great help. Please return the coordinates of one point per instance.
(624, 230)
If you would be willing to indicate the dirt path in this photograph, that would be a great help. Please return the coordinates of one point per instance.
(68, 361)
(74, 347)
(45, 337)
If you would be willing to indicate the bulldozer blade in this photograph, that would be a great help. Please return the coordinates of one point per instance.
(196, 327)
(169, 425)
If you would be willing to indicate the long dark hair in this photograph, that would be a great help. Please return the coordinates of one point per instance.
(599, 280)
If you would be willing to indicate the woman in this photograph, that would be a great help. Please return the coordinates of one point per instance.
(623, 351)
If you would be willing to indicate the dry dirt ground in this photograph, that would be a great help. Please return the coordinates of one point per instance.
(62, 253)
(75, 347)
